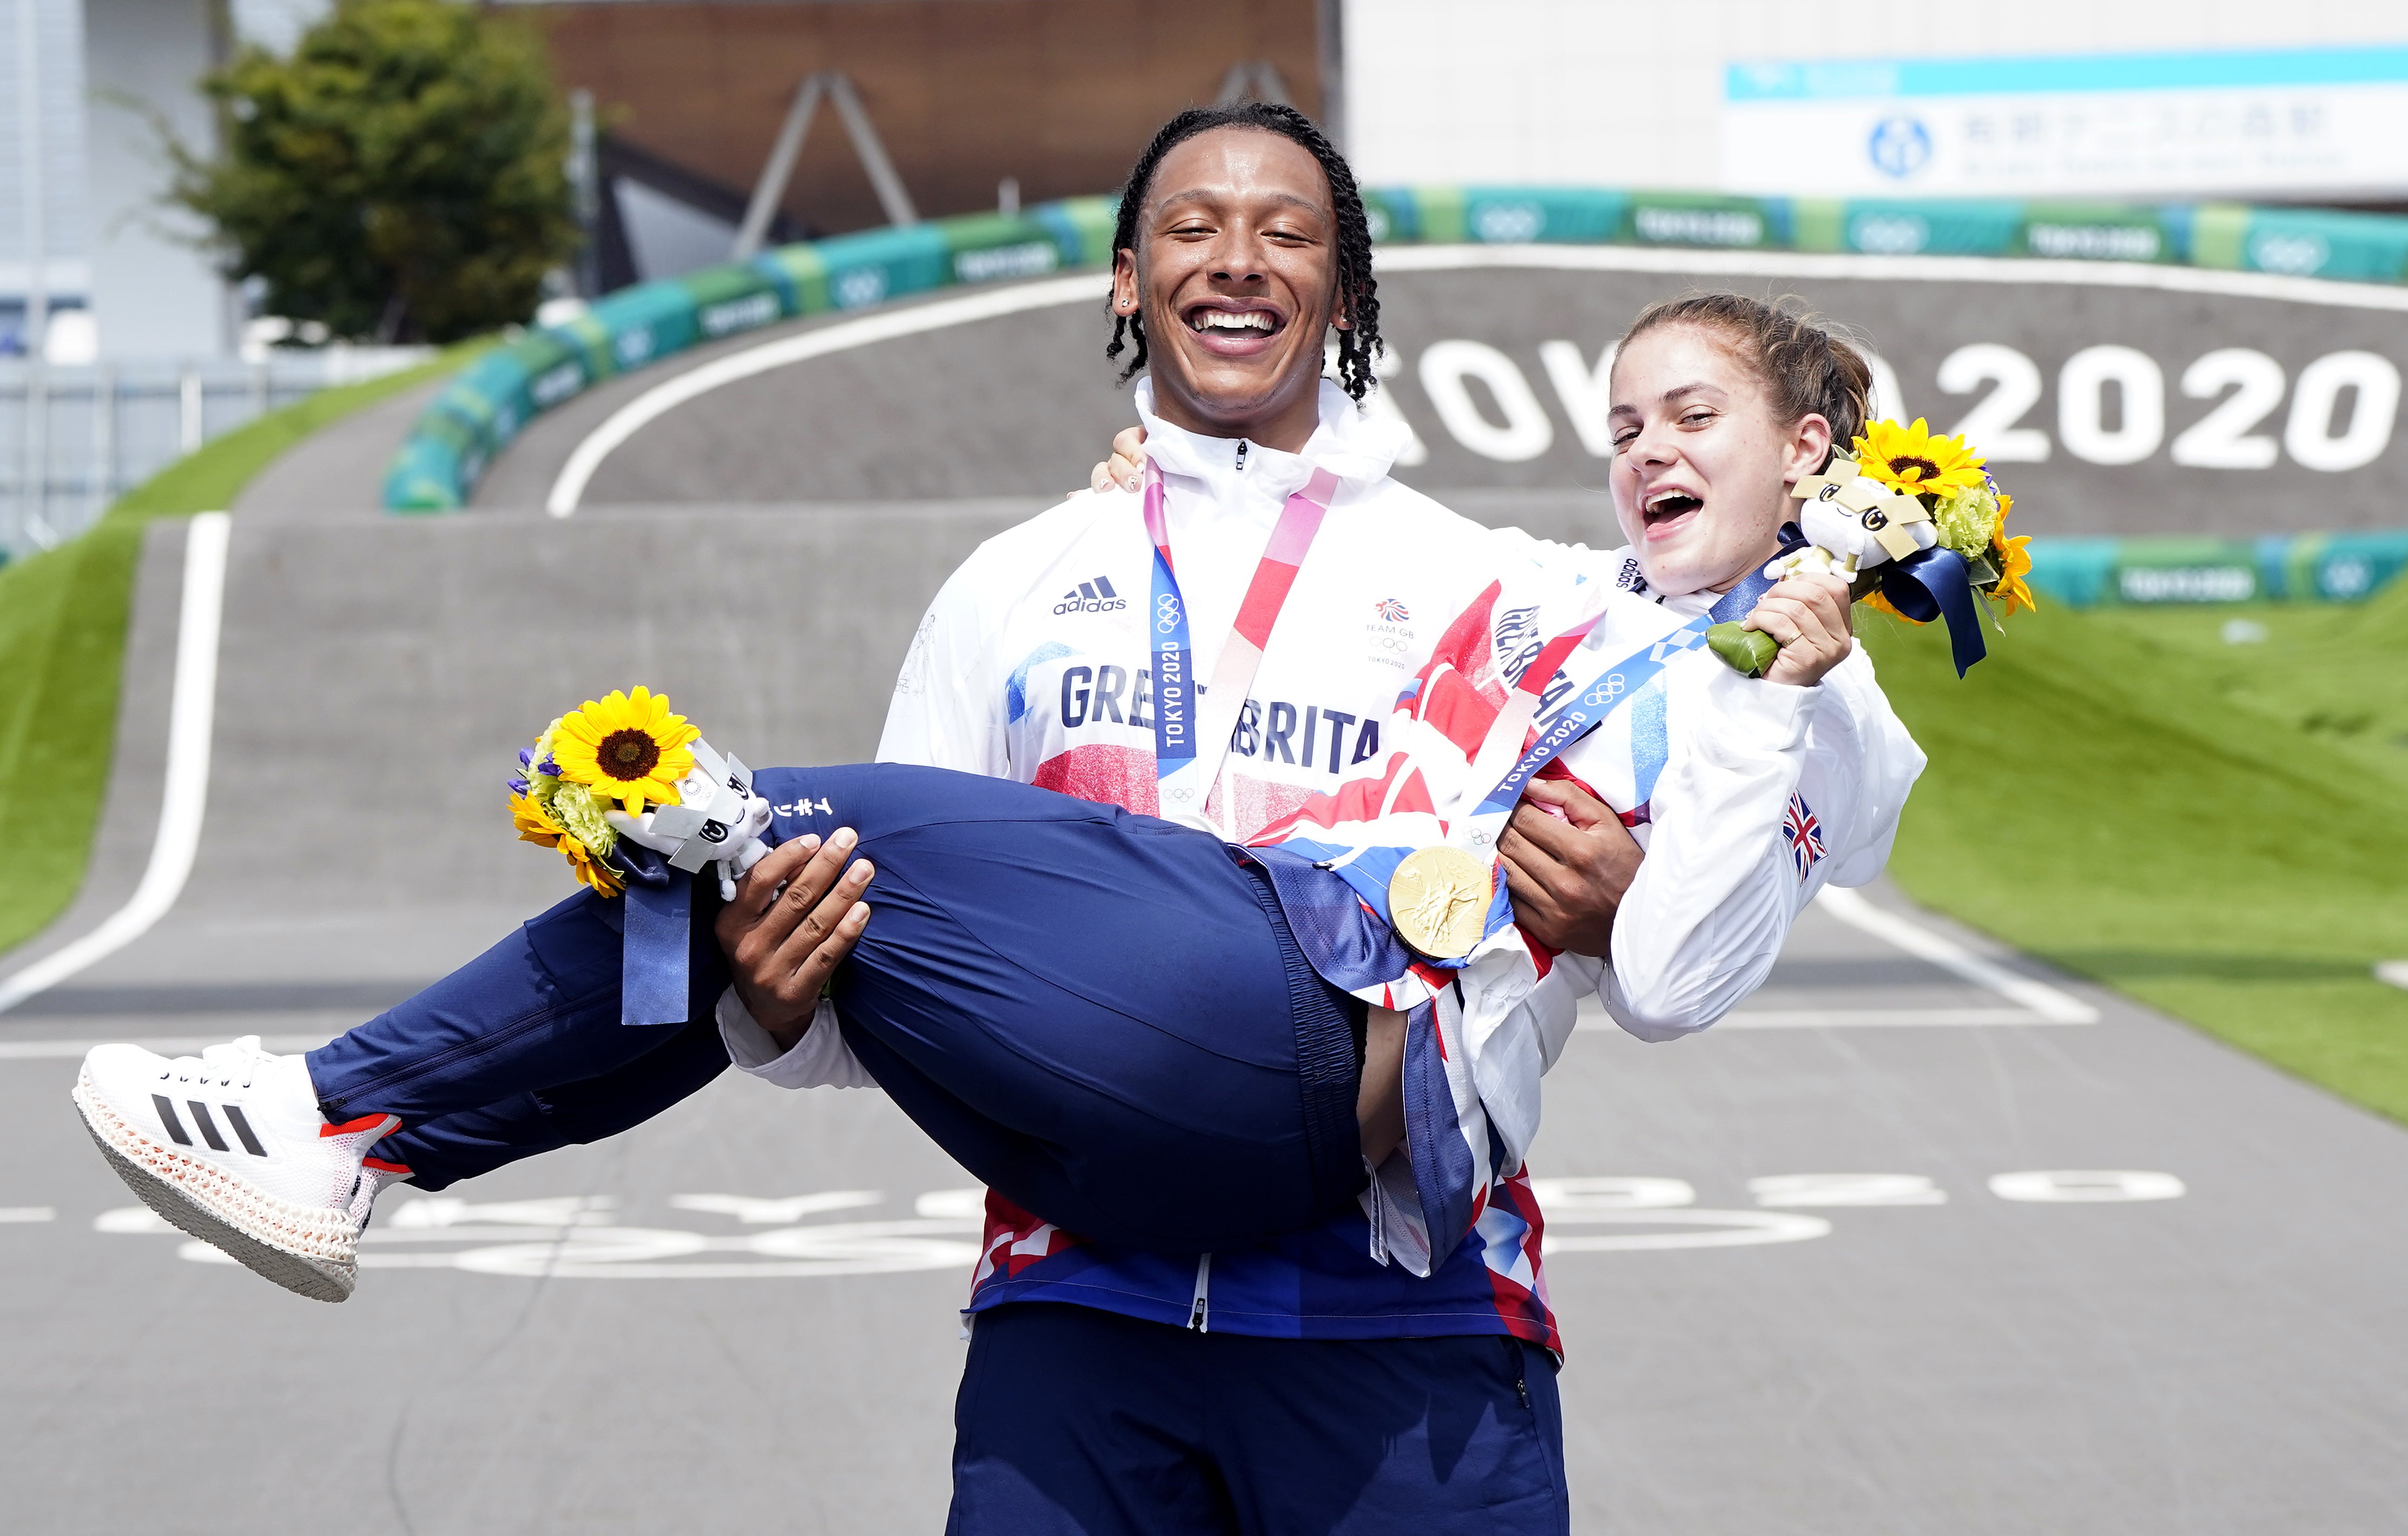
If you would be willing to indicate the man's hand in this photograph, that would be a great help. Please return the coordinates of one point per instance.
(1126, 467)
(784, 945)
(1566, 878)
(1809, 615)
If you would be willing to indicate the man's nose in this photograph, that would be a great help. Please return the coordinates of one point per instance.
(1238, 257)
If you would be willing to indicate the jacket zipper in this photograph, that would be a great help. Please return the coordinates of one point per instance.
(1200, 1316)
(1241, 456)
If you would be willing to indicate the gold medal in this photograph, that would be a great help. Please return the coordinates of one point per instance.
(1437, 899)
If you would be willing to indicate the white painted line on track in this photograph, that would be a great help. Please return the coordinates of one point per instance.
(1594, 1017)
(15, 1213)
(1973, 269)
(73, 1050)
(2052, 1006)
(185, 797)
(2035, 1002)
(2394, 972)
(658, 401)
(1825, 1019)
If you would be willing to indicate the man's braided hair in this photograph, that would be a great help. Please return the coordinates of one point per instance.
(1358, 297)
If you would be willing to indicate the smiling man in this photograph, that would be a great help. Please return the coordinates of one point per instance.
(1304, 1385)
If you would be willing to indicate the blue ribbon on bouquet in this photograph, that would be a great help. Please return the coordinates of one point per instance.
(657, 936)
(1932, 584)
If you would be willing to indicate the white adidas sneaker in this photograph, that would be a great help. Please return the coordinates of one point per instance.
(229, 1145)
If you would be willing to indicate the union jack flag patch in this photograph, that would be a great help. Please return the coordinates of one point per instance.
(1805, 836)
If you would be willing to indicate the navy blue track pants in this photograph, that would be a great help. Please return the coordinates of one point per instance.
(1075, 1422)
(1103, 1017)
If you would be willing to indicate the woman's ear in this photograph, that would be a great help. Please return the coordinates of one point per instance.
(1809, 448)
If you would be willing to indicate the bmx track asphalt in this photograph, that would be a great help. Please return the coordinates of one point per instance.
(1803, 1275)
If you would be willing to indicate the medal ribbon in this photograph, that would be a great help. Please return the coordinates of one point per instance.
(1588, 706)
(1581, 712)
(1190, 737)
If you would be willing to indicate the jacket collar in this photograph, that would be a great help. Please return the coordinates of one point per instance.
(1351, 443)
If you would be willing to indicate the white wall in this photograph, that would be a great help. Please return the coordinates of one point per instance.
(154, 294)
(1608, 92)
(58, 60)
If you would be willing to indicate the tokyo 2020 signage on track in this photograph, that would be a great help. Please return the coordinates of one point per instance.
(2153, 405)
(2124, 399)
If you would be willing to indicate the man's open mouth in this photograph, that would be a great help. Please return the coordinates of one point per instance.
(1233, 323)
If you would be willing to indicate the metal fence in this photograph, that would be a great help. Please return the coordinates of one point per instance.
(73, 439)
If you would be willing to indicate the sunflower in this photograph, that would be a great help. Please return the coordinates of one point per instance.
(532, 823)
(1915, 461)
(538, 826)
(594, 871)
(628, 748)
(1880, 604)
(2015, 561)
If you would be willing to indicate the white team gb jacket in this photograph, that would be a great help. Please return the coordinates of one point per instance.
(1032, 664)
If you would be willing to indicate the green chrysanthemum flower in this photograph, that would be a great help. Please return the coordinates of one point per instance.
(576, 808)
(1968, 520)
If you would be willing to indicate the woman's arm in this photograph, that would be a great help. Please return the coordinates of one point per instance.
(1771, 794)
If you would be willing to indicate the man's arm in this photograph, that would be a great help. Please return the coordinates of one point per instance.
(1566, 876)
(782, 947)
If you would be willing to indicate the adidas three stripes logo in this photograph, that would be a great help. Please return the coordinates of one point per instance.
(208, 1127)
(1094, 596)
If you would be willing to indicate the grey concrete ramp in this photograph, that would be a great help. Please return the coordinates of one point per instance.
(378, 675)
(341, 466)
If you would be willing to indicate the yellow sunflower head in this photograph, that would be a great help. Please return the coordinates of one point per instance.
(1917, 461)
(627, 747)
(535, 824)
(532, 823)
(2015, 562)
(592, 871)
(1875, 601)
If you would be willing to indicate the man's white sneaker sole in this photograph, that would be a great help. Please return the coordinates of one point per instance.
(311, 1251)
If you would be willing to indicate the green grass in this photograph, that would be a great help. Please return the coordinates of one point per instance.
(2215, 828)
(63, 624)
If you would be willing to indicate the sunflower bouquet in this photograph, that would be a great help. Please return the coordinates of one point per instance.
(626, 752)
(1915, 525)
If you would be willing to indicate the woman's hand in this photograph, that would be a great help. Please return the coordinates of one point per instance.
(1125, 469)
(783, 944)
(1809, 615)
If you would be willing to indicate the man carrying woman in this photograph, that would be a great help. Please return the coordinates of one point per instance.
(1195, 1311)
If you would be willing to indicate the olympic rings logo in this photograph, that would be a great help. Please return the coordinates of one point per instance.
(1608, 689)
(1166, 613)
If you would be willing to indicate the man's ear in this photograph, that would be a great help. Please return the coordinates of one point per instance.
(1125, 288)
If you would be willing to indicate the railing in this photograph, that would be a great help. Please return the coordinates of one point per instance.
(73, 439)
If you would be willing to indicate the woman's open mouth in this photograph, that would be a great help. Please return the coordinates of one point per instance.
(1668, 511)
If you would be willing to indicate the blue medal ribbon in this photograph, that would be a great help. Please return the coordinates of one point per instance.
(1584, 709)
(1174, 673)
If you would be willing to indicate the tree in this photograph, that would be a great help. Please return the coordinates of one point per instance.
(401, 177)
